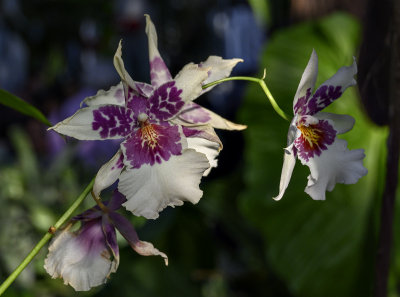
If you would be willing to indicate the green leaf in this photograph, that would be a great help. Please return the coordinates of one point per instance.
(319, 248)
(22, 106)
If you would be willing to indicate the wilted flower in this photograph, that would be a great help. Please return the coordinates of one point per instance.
(169, 141)
(86, 258)
(312, 134)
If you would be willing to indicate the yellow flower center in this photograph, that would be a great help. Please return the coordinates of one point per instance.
(149, 135)
(311, 133)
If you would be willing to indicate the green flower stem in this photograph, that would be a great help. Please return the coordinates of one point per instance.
(261, 82)
(45, 238)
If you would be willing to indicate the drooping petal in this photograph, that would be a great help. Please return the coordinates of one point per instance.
(195, 114)
(116, 201)
(220, 68)
(332, 89)
(97, 123)
(150, 189)
(139, 88)
(114, 96)
(128, 232)
(152, 144)
(208, 148)
(83, 260)
(110, 237)
(190, 80)
(342, 123)
(165, 102)
(289, 160)
(306, 85)
(159, 73)
(108, 173)
(336, 165)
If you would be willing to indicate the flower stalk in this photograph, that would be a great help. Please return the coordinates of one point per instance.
(45, 239)
(262, 84)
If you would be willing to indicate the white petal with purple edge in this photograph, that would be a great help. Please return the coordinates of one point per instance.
(220, 68)
(97, 123)
(289, 161)
(190, 80)
(115, 96)
(150, 189)
(307, 82)
(159, 72)
(338, 164)
(342, 123)
(208, 148)
(108, 173)
(83, 263)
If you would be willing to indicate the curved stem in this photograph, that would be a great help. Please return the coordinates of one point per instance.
(45, 238)
(262, 84)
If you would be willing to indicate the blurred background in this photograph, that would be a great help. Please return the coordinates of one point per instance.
(237, 241)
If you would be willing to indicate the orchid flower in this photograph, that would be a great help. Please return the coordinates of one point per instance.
(312, 135)
(87, 257)
(169, 142)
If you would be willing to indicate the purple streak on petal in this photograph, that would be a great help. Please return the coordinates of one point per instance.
(324, 96)
(112, 120)
(116, 201)
(165, 102)
(301, 104)
(88, 215)
(325, 136)
(159, 72)
(152, 143)
(124, 227)
(194, 113)
(205, 134)
(110, 234)
(119, 95)
(144, 89)
(137, 104)
(91, 236)
(119, 164)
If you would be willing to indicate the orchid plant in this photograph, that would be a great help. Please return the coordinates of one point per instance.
(168, 143)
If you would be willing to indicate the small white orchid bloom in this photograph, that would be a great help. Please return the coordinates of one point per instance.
(86, 258)
(168, 141)
(312, 135)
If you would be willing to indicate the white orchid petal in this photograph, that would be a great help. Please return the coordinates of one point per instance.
(220, 68)
(342, 123)
(307, 82)
(97, 123)
(336, 165)
(208, 148)
(108, 173)
(150, 189)
(289, 161)
(190, 80)
(159, 72)
(83, 261)
(114, 96)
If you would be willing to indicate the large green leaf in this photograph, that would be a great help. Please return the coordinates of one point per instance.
(316, 247)
(22, 106)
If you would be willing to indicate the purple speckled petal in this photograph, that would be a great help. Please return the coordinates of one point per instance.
(314, 139)
(151, 144)
(128, 232)
(112, 121)
(306, 85)
(159, 72)
(328, 92)
(137, 104)
(165, 102)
